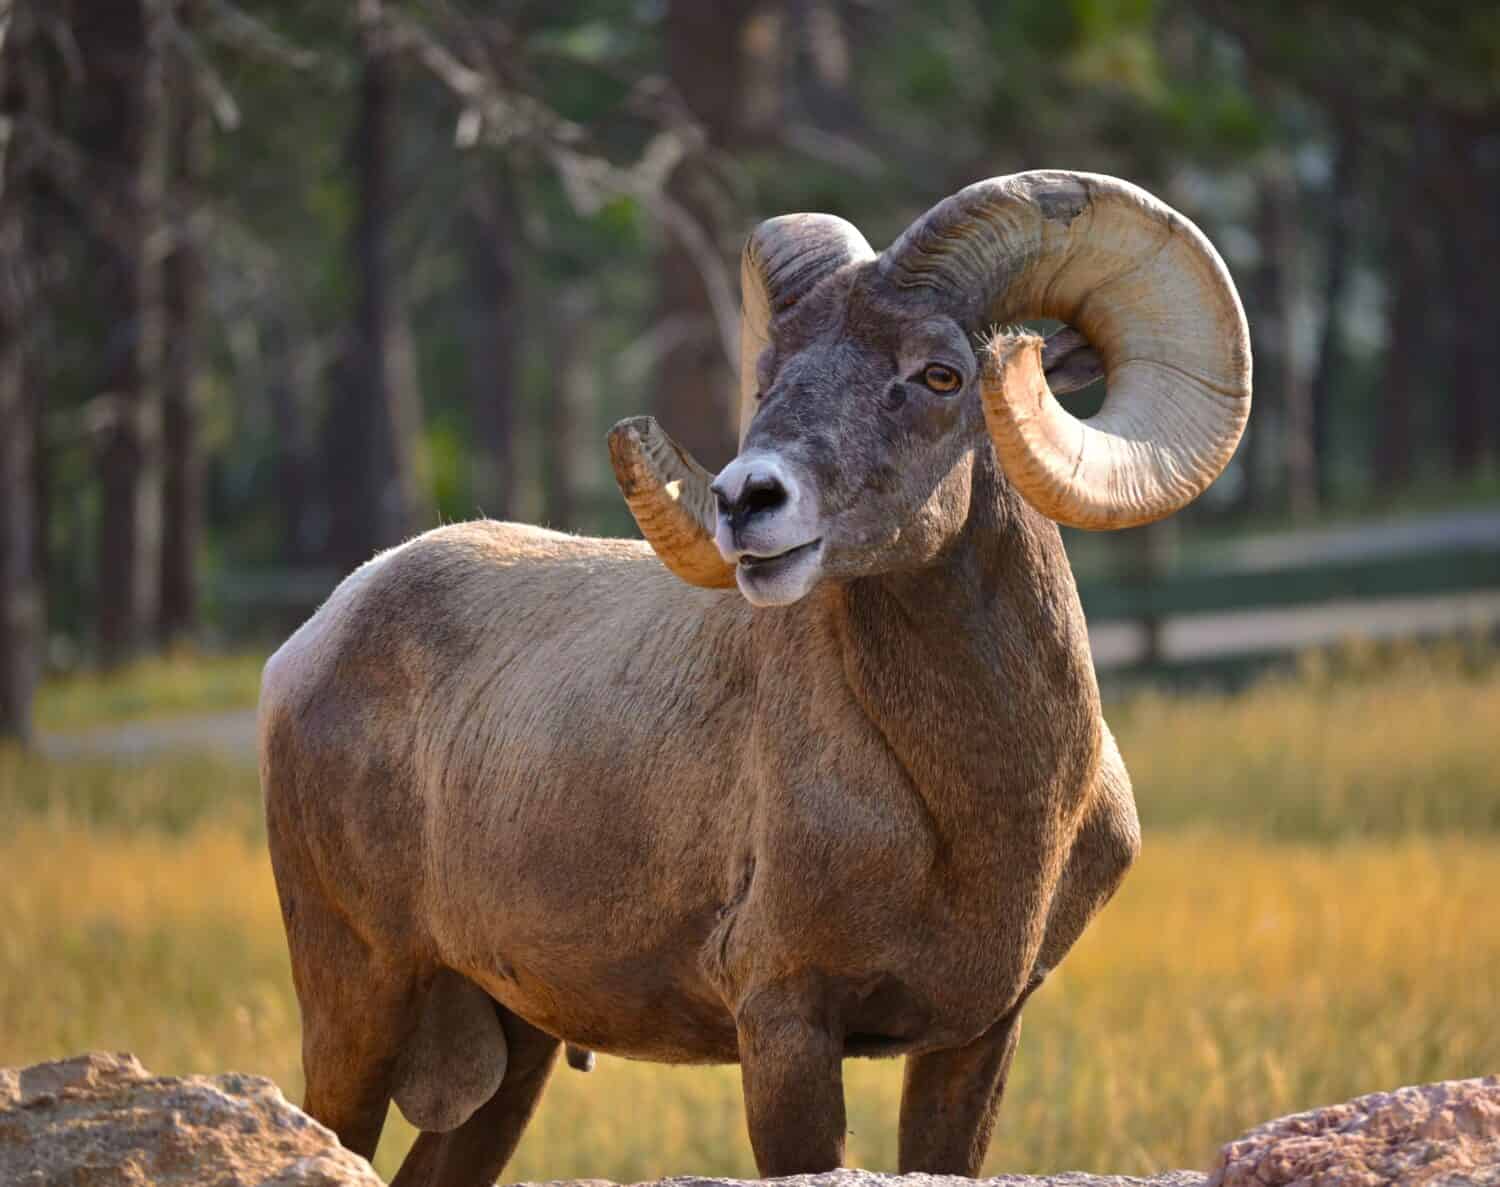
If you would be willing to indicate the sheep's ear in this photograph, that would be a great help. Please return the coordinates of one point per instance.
(1070, 362)
(667, 492)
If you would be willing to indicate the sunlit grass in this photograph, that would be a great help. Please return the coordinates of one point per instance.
(1375, 741)
(184, 682)
(1313, 917)
(166, 946)
(169, 794)
(1232, 980)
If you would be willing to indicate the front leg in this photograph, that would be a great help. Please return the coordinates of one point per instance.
(791, 1063)
(950, 1099)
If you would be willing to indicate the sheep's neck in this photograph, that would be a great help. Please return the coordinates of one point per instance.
(977, 672)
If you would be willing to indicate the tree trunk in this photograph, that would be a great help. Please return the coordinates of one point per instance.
(1265, 336)
(285, 379)
(1279, 247)
(20, 596)
(122, 48)
(347, 446)
(1268, 344)
(495, 336)
(1406, 349)
(1469, 249)
(1489, 181)
(407, 481)
(375, 125)
(570, 409)
(375, 417)
(695, 392)
(1336, 260)
(182, 298)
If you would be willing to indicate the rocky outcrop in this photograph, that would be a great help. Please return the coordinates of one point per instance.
(104, 1121)
(1433, 1135)
(859, 1178)
(1447, 1133)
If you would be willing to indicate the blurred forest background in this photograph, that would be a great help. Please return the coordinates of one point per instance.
(282, 284)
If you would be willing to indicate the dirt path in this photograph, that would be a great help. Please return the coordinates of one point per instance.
(230, 734)
(1296, 628)
(1412, 535)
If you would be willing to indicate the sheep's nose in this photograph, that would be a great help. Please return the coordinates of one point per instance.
(744, 496)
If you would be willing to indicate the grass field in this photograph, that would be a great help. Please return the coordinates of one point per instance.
(183, 682)
(1313, 917)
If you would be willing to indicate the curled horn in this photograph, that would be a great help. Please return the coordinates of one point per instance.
(666, 490)
(1148, 293)
(667, 493)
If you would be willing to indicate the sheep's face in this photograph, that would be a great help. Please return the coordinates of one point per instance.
(859, 457)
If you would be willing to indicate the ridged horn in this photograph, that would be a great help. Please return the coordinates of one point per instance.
(667, 492)
(783, 260)
(1149, 293)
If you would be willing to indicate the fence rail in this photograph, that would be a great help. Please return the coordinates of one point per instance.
(1208, 619)
(1209, 592)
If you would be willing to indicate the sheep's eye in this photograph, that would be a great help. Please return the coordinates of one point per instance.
(941, 379)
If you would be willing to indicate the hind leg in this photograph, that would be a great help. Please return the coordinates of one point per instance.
(347, 1059)
(356, 1009)
(950, 1099)
(477, 1151)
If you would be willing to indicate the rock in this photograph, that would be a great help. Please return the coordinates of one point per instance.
(102, 1120)
(861, 1178)
(1446, 1133)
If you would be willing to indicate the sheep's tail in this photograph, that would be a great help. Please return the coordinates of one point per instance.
(579, 1059)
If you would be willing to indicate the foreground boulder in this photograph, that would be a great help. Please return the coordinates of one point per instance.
(102, 1120)
(859, 1178)
(1433, 1135)
(1447, 1133)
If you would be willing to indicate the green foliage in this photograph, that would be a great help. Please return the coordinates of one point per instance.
(1216, 113)
(1195, 100)
(446, 461)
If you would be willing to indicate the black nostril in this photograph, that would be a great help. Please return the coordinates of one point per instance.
(761, 493)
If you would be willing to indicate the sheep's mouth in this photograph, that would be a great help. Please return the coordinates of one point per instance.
(761, 563)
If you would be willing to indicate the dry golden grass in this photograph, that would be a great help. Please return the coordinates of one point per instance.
(1232, 980)
(1372, 741)
(170, 794)
(167, 946)
(1313, 917)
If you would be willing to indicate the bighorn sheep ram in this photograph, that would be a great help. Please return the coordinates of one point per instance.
(525, 788)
